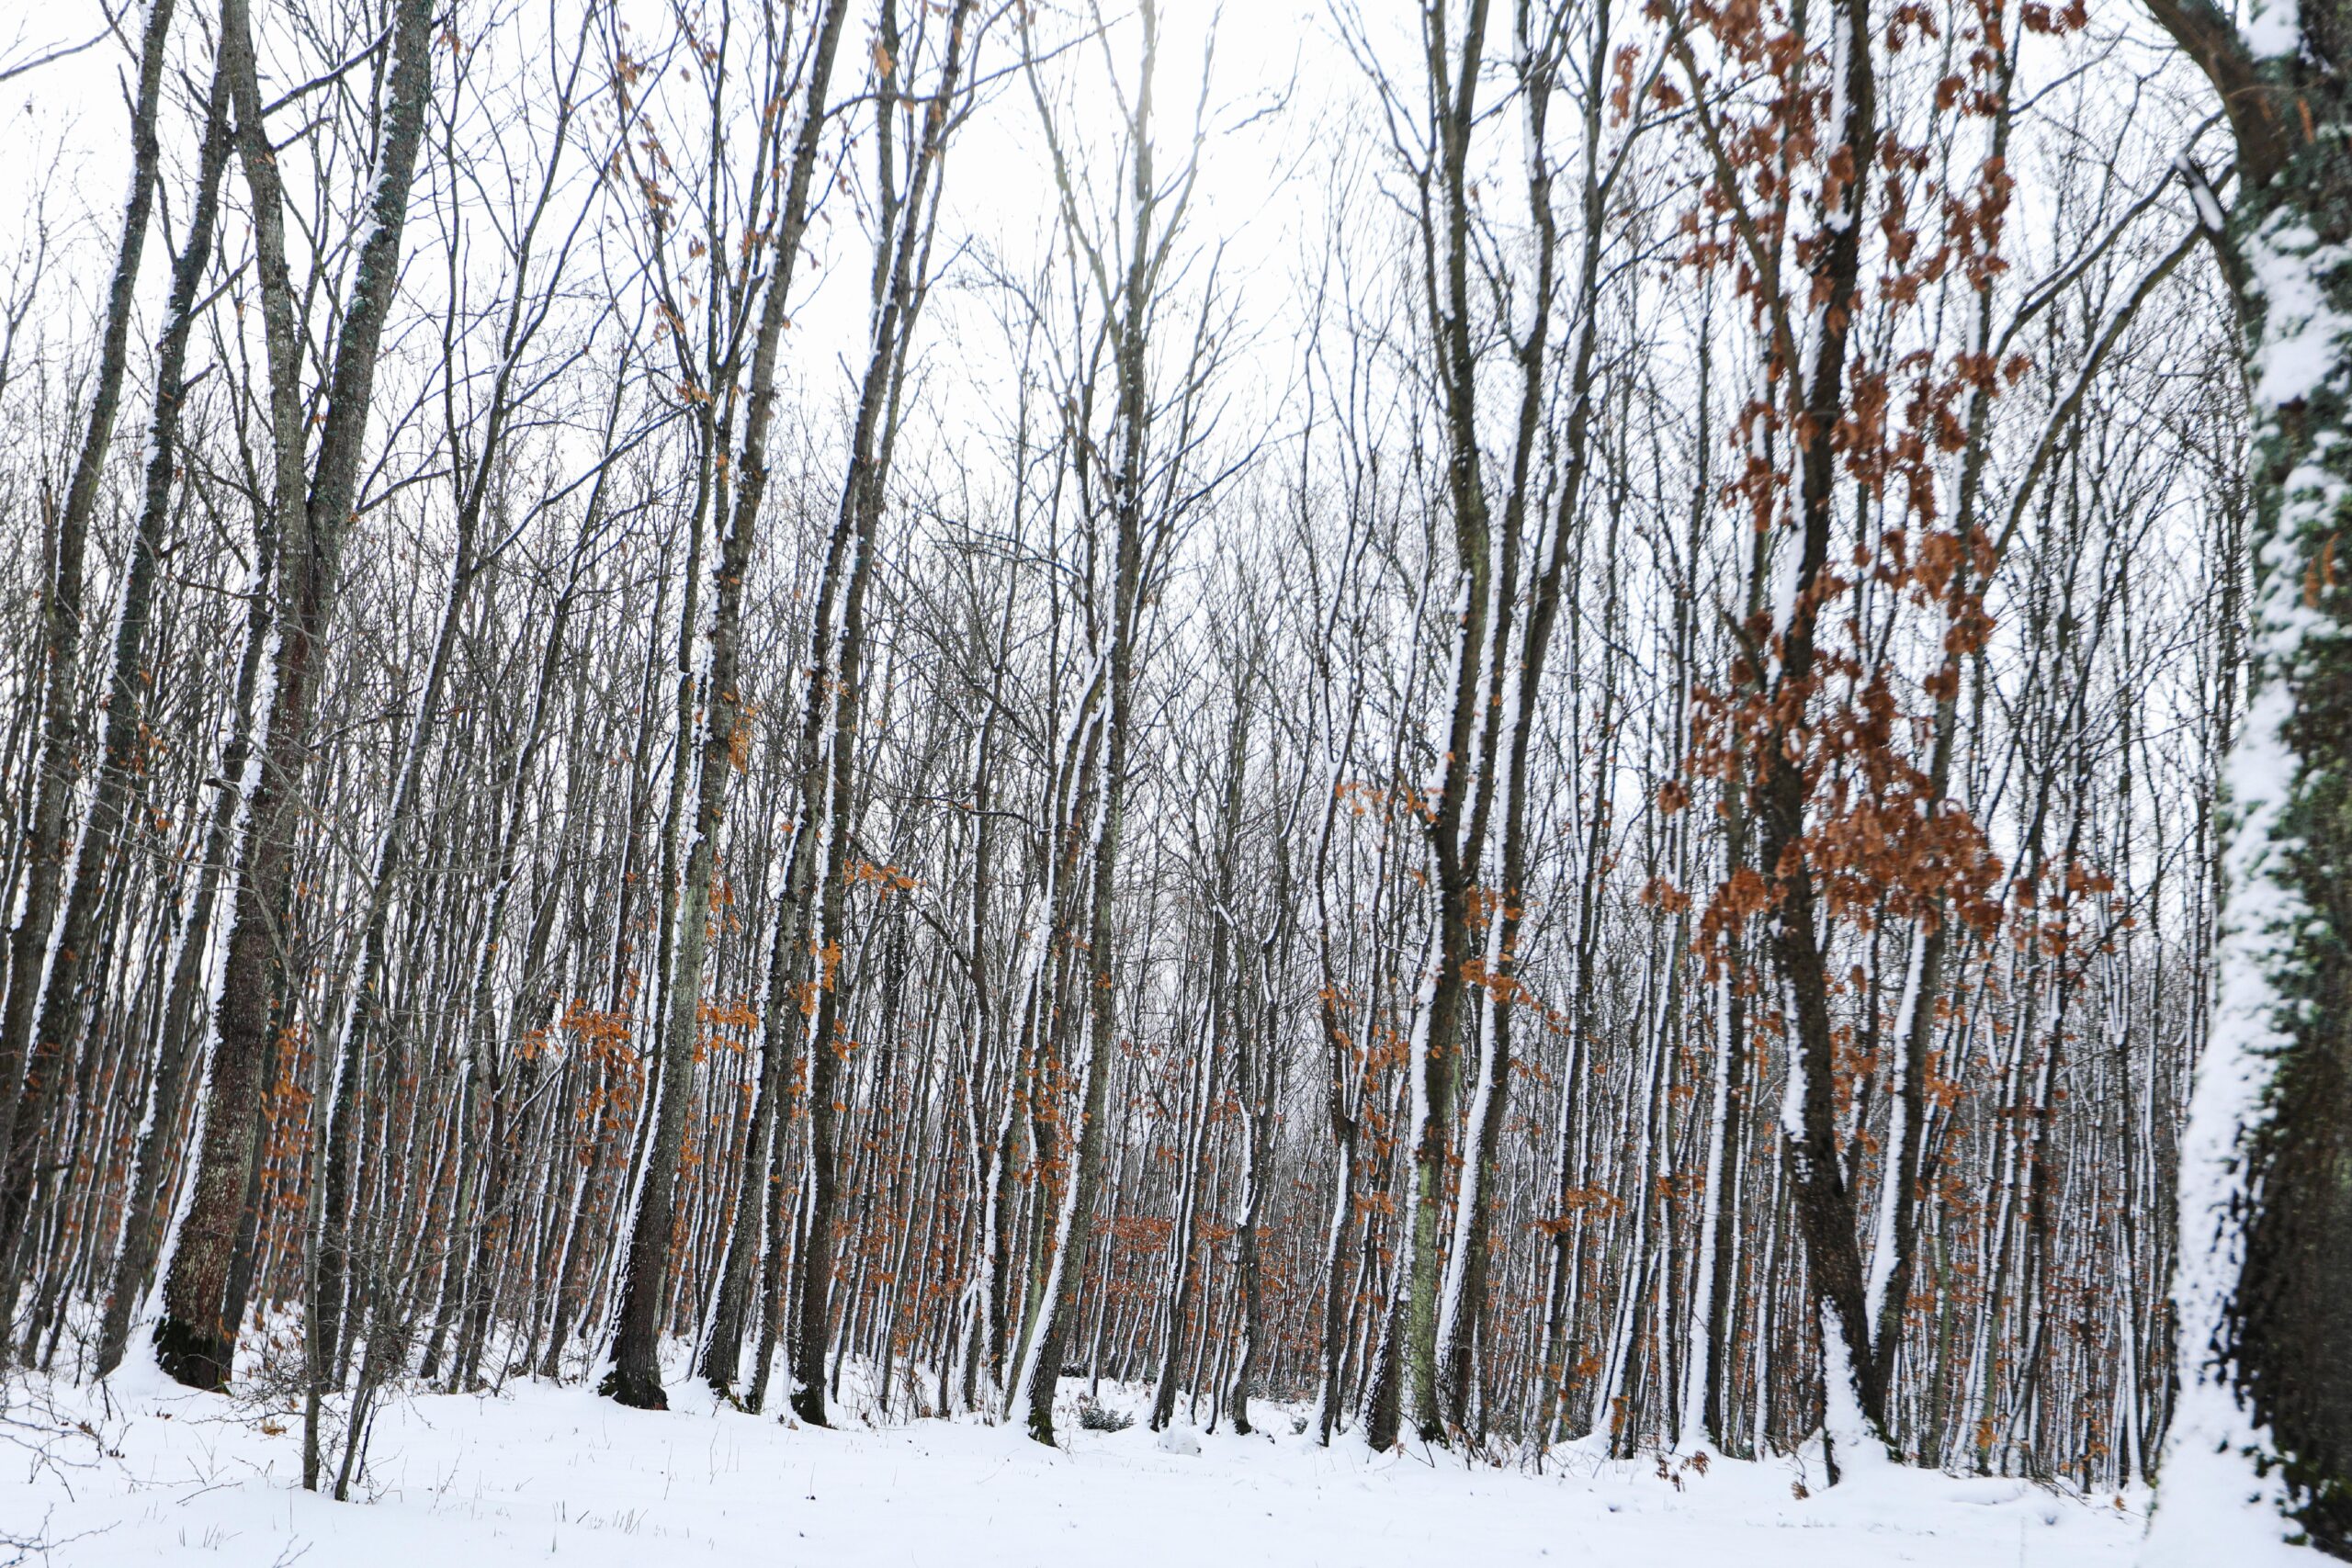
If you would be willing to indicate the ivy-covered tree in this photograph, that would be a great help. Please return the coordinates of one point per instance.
(2262, 1290)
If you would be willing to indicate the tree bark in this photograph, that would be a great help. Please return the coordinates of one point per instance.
(193, 1341)
(2262, 1440)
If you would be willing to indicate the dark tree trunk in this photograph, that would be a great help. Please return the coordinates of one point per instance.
(1825, 1205)
(193, 1341)
(2264, 1281)
(636, 1376)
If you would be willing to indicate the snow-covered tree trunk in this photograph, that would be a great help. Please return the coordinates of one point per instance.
(2261, 1444)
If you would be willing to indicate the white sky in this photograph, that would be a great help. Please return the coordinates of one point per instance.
(67, 123)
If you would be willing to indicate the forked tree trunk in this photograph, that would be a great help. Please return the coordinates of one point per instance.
(194, 1342)
(1407, 1375)
(1127, 302)
(907, 218)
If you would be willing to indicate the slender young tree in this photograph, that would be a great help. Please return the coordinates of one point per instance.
(46, 847)
(908, 216)
(103, 837)
(711, 711)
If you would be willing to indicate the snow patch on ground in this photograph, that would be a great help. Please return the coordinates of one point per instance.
(150, 1473)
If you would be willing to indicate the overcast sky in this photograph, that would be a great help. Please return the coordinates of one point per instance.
(1280, 88)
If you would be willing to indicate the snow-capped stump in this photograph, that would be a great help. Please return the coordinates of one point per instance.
(1180, 1441)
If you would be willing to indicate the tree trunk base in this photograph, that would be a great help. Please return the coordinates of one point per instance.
(193, 1358)
(637, 1389)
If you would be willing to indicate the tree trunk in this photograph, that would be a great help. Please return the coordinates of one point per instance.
(2261, 1444)
(636, 1375)
(194, 1343)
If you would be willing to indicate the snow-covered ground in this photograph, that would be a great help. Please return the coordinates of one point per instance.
(155, 1474)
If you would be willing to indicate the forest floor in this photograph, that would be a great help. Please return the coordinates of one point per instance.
(151, 1474)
